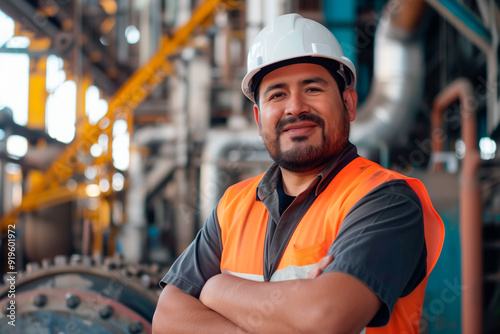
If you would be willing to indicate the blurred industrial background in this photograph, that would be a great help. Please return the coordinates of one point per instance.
(122, 122)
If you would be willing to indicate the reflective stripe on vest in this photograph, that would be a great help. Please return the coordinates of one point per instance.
(288, 273)
(243, 223)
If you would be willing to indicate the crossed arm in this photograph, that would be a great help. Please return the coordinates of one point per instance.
(178, 312)
(330, 302)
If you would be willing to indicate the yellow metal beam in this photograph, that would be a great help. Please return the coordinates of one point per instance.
(37, 93)
(135, 90)
(49, 197)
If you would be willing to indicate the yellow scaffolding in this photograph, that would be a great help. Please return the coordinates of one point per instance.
(49, 189)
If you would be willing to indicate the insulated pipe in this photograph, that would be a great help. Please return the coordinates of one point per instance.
(134, 232)
(470, 199)
(227, 153)
(387, 114)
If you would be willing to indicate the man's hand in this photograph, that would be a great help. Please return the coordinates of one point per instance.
(318, 268)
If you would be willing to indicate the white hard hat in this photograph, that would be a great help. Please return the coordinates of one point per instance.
(289, 39)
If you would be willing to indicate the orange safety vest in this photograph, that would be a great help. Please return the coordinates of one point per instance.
(243, 222)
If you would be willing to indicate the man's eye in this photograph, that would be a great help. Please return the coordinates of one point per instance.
(276, 95)
(313, 89)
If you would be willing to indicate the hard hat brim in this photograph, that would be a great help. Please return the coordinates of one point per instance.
(252, 79)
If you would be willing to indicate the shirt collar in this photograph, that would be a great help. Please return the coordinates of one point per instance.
(269, 182)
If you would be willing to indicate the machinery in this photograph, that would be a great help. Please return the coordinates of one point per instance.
(82, 295)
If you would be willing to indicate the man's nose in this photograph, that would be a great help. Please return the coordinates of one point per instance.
(296, 105)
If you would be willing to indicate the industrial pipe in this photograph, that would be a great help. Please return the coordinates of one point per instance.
(134, 232)
(387, 115)
(470, 199)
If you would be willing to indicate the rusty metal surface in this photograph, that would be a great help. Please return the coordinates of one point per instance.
(81, 295)
(71, 311)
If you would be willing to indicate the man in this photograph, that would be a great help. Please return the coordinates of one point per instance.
(325, 241)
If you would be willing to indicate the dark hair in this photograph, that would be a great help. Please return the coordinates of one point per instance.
(329, 64)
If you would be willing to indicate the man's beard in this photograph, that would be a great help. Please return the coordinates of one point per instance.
(305, 157)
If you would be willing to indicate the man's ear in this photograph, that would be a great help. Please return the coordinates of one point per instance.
(256, 115)
(351, 101)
